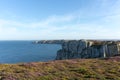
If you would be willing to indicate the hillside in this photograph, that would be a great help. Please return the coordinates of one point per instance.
(75, 69)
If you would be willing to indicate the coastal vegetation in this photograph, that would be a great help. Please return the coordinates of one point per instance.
(74, 69)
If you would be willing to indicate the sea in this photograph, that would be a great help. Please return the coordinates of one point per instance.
(25, 51)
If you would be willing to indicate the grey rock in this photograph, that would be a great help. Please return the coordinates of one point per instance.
(72, 46)
(88, 49)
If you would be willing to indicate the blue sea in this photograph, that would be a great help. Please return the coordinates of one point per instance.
(26, 51)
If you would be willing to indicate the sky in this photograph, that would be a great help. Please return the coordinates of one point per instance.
(59, 19)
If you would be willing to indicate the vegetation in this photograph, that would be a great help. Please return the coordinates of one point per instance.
(76, 69)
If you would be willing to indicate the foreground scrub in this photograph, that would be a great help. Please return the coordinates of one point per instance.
(75, 69)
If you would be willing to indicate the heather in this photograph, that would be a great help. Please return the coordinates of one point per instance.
(74, 69)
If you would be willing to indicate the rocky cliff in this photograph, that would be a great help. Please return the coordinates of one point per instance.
(88, 49)
(50, 41)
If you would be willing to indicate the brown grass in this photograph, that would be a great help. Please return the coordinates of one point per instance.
(76, 69)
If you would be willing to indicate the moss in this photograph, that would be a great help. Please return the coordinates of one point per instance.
(48, 77)
(80, 70)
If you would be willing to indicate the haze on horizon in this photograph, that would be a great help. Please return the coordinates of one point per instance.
(59, 19)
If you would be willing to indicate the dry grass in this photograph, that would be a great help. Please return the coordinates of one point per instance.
(76, 69)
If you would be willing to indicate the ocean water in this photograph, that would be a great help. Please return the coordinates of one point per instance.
(26, 51)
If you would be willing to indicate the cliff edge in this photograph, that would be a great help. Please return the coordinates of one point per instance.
(88, 49)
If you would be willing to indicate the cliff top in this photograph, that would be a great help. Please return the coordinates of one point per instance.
(75, 69)
(96, 42)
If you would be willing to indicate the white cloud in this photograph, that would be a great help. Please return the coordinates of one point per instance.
(69, 26)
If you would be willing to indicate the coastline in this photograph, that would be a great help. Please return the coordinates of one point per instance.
(72, 49)
(67, 69)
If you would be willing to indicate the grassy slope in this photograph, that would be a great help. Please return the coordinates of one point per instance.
(77, 69)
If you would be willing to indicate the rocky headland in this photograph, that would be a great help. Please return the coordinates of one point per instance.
(106, 68)
(88, 49)
(72, 49)
(50, 41)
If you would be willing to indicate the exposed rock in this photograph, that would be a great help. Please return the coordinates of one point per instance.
(88, 49)
(50, 41)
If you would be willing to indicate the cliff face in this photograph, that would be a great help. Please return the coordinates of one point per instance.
(88, 49)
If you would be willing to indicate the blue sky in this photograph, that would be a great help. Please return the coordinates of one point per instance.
(59, 19)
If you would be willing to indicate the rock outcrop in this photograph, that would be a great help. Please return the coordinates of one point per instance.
(88, 49)
(50, 42)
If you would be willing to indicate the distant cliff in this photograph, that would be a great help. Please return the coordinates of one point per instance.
(88, 49)
(51, 41)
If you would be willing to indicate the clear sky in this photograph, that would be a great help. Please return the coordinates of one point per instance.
(59, 19)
